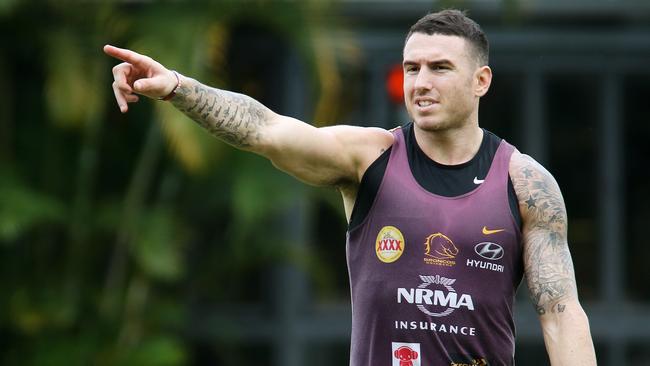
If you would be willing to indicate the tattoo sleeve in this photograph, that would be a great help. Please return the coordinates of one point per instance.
(234, 118)
(547, 260)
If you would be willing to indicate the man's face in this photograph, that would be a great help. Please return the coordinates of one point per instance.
(440, 81)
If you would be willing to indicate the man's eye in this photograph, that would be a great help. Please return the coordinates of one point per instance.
(411, 69)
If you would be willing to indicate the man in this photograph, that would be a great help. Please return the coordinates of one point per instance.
(445, 217)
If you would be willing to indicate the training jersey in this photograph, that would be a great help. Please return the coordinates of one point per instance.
(433, 278)
(450, 180)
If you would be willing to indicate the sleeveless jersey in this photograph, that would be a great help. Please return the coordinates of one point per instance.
(433, 278)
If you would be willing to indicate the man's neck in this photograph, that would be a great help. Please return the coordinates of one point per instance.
(451, 146)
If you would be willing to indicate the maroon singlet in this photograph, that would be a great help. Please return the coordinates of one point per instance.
(433, 278)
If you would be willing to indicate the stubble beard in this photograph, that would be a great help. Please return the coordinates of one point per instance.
(442, 120)
(435, 123)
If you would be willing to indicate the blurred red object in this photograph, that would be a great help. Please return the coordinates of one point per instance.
(394, 84)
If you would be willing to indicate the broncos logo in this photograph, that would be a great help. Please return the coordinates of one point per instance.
(440, 247)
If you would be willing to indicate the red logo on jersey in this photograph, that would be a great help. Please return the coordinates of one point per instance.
(390, 244)
(405, 354)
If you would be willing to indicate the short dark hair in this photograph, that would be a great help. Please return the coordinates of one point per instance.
(453, 22)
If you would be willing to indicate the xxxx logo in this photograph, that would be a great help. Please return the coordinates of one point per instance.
(390, 244)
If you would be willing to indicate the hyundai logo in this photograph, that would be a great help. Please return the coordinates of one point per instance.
(489, 250)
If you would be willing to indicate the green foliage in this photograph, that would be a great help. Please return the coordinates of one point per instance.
(195, 156)
(6, 6)
(155, 351)
(256, 199)
(32, 312)
(66, 56)
(157, 246)
(97, 234)
(23, 209)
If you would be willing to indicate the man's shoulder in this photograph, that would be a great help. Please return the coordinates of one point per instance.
(539, 195)
(523, 167)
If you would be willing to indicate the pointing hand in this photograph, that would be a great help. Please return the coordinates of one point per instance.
(138, 74)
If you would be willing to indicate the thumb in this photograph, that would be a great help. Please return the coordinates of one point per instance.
(156, 86)
(145, 86)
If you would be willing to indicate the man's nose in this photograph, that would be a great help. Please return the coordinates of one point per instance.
(423, 81)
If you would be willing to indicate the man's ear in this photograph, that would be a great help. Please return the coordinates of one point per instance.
(482, 80)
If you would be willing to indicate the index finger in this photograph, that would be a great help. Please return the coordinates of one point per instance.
(123, 54)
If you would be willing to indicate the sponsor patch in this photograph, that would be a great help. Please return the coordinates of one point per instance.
(435, 296)
(406, 354)
(490, 251)
(390, 244)
(487, 250)
(410, 325)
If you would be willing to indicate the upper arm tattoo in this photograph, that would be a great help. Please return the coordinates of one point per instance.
(547, 260)
(235, 118)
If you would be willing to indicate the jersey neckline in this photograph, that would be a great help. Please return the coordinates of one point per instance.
(411, 176)
(418, 150)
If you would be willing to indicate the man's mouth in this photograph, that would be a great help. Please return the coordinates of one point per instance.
(425, 102)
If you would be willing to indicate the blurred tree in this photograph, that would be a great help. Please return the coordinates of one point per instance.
(96, 222)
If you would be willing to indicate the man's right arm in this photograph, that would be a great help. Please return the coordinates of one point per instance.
(331, 156)
(234, 118)
(334, 156)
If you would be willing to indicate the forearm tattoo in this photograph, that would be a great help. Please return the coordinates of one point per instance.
(548, 264)
(234, 118)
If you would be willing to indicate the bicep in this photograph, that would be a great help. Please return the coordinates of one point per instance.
(326, 156)
(547, 261)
